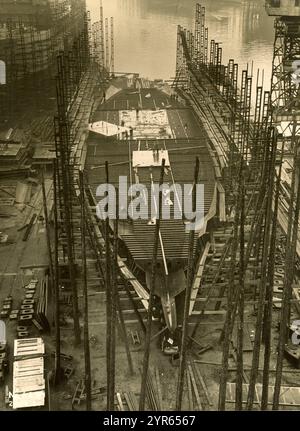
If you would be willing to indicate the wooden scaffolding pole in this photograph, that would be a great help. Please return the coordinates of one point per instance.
(267, 332)
(270, 169)
(116, 298)
(241, 299)
(228, 327)
(189, 285)
(57, 366)
(124, 333)
(110, 395)
(113, 308)
(151, 296)
(47, 225)
(86, 338)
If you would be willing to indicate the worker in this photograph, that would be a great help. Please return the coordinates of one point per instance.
(123, 132)
(185, 127)
(154, 153)
(131, 132)
(137, 113)
(104, 97)
(157, 155)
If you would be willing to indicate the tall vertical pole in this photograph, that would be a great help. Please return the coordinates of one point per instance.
(101, 30)
(56, 277)
(189, 284)
(63, 149)
(269, 296)
(112, 47)
(107, 65)
(113, 310)
(270, 169)
(230, 313)
(151, 295)
(124, 334)
(240, 330)
(110, 396)
(68, 221)
(86, 339)
(47, 230)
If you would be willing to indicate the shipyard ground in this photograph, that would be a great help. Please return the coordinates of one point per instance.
(34, 253)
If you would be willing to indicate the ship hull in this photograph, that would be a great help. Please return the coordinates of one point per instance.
(133, 130)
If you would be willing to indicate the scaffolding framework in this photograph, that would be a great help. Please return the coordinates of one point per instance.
(71, 67)
(98, 41)
(246, 144)
(29, 45)
(285, 110)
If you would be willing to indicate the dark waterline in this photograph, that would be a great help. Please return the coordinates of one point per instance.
(145, 33)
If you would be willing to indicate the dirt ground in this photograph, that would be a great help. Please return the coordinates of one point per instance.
(16, 254)
(19, 253)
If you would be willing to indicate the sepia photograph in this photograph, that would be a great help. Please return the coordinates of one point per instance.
(149, 209)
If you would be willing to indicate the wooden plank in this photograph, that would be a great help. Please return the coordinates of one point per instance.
(210, 312)
(28, 384)
(29, 346)
(128, 401)
(198, 277)
(140, 290)
(202, 382)
(28, 367)
(120, 402)
(194, 385)
(134, 401)
(159, 391)
(31, 399)
(190, 394)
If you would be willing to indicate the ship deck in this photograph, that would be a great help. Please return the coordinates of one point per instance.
(185, 141)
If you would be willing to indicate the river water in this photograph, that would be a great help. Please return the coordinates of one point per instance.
(145, 33)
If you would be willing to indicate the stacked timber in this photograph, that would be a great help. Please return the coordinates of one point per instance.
(42, 308)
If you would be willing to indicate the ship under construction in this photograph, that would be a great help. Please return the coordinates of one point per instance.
(131, 309)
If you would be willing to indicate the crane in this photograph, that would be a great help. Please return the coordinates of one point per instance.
(286, 61)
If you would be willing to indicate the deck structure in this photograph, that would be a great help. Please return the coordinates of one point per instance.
(161, 127)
